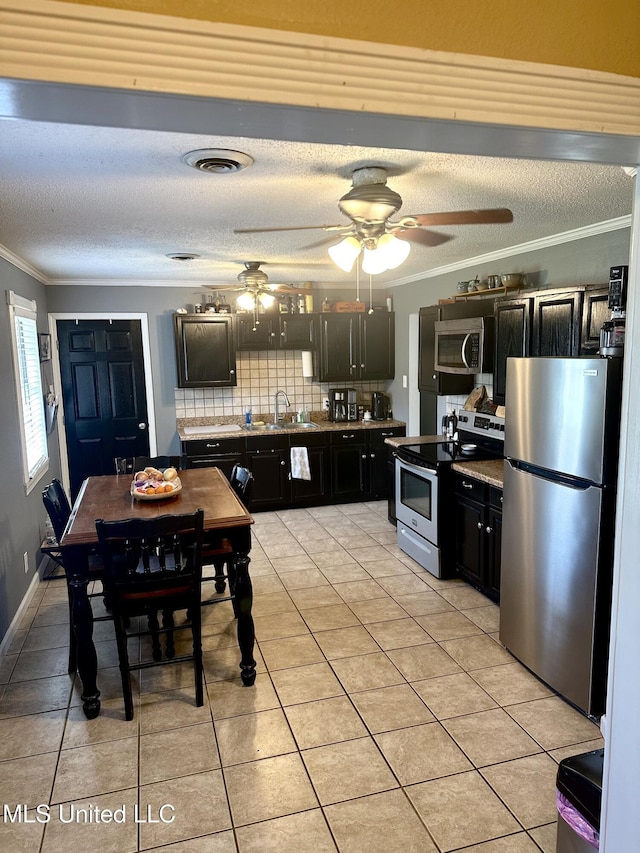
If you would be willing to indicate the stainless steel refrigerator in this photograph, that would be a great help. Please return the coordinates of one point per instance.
(561, 446)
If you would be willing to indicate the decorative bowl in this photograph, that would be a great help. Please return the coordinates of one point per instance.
(140, 495)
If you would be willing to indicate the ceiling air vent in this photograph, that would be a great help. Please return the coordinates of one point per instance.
(182, 256)
(219, 161)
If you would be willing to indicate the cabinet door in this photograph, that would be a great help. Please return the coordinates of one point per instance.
(381, 485)
(270, 477)
(256, 336)
(427, 376)
(349, 463)
(298, 331)
(376, 352)
(493, 554)
(338, 341)
(594, 313)
(316, 490)
(470, 538)
(513, 328)
(557, 323)
(205, 350)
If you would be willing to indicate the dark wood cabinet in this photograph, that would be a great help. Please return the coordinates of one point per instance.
(362, 464)
(513, 332)
(267, 457)
(478, 533)
(317, 490)
(356, 347)
(221, 453)
(205, 350)
(276, 331)
(381, 463)
(595, 310)
(557, 323)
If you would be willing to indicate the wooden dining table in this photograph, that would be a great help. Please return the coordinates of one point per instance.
(109, 498)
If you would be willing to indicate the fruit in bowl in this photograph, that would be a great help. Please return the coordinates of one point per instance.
(152, 484)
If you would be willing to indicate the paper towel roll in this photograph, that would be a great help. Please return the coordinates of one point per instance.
(307, 364)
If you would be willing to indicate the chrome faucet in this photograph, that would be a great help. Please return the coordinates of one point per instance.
(276, 414)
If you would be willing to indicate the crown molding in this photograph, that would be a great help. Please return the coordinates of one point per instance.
(520, 249)
(18, 262)
(142, 52)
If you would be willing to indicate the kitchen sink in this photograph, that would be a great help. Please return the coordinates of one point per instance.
(280, 427)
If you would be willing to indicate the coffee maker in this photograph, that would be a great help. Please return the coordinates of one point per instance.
(379, 406)
(343, 404)
(612, 331)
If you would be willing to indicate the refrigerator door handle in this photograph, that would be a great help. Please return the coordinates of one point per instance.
(552, 476)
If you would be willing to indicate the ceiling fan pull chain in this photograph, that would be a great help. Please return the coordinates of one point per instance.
(370, 294)
(357, 280)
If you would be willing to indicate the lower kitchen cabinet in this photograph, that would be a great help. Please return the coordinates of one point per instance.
(267, 457)
(221, 453)
(478, 533)
(361, 464)
(315, 491)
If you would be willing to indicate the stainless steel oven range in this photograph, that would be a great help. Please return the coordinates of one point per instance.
(421, 472)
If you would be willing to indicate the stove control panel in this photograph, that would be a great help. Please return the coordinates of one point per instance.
(488, 425)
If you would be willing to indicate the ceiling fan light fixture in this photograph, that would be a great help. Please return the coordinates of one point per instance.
(266, 299)
(345, 252)
(388, 254)
(246, 301)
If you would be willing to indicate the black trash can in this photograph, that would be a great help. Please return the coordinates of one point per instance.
(579, 797)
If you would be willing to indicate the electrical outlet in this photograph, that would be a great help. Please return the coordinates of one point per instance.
(25, 560)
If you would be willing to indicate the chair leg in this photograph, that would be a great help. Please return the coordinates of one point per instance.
(154, 627)
(123, 658)
(220, 580)
(72, 666)
(196, 632)
(167, 624)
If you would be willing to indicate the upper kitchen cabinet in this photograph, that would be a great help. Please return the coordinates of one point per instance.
(557, 323)
(513, 333)
(272, 332)
(205, 350)
(595, 311)
(356, 347)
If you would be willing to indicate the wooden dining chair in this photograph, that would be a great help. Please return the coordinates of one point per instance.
(154, 565)
(217, 550)
(58, 508)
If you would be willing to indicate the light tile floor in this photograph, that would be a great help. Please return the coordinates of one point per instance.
(385, 717)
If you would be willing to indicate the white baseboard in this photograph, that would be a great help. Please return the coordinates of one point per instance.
(12, 630)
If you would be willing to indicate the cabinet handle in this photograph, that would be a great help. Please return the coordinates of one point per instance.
(467, 485)
(348, 436)
(362, 366)
(231, 372)
(488, 529)
(479, 525)
(282, 334)
(364, 456)
(435, 376)
(283, 462)
(501, 499)
(373, 455)
(213, 445)
(385, 434)
(273, 334)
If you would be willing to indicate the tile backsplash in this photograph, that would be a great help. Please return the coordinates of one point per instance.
(455, 402)
(260, 375)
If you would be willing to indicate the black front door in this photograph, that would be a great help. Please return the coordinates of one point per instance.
(103, 390)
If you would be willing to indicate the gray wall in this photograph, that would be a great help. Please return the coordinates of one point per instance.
(21, 516)
(585, 261)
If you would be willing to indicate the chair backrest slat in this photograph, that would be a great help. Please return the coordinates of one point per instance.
(57, 505)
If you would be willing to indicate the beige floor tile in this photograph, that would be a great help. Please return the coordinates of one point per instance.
(489, 737)
(331, 556)
(116, 836)
(253, 736)
(390, 708)
(379, 823)
(325, 721)
(510, 683)
(21, 837)
(487, 618)
(553, 723)
(295, 561)
(306, 683)
(177, 752)
(6, 667)
(267, 583)
(33, 697)
(30, 735)
(404, 584)
(274, 602)
(303, 579)
(169, 710)
(328, 618)
(453, 695)
(527, 786)
(221, 664)
(344, 573)
(221, 842)
(283, 548)
(476, 652)
(422, 752)
(421, 603)
(27, 780)
(576, 749)
(360, 590)
(370, 554)
(199, 808)
(232, 698)
(461, 810)
(545, 837)
(354, 541)
(366, 672)
(387, 567)
(267, 789)
(110, 725)
(377, 610)
(518, 843)
(48, 637)
(290, 651)
(425, 661)
(315, 596)
(41, 664)
(175, 676)
(448, 625)
(109, 684)
(463, 596)
(304, 832)
(346, 642)
(398, 633)
(87, 771)
(368, 772)
(279, 625)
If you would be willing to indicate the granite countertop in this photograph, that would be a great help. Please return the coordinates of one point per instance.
(233, 427)
(487, 470)
(398, 441)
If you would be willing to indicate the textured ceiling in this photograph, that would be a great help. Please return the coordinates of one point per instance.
(89, 203)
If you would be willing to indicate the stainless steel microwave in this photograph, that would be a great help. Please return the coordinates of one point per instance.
(464, 346)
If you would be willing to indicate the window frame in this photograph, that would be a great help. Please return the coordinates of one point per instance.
(29, 394)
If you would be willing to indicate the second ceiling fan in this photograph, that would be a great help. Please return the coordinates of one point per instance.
(385, 244)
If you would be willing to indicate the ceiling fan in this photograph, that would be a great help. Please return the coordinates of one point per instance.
(256, 289)
(370, 204)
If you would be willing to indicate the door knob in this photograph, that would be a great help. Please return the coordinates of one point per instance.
(142, 426)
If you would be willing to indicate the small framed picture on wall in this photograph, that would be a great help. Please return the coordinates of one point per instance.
(44, 346)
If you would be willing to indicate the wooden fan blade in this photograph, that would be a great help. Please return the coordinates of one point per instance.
(326, 241)
(291, 228)
(421, 235)
(491, 216)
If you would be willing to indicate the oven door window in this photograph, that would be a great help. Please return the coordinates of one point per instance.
(416, 493)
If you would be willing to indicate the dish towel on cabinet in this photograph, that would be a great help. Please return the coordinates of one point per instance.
(300, 469)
